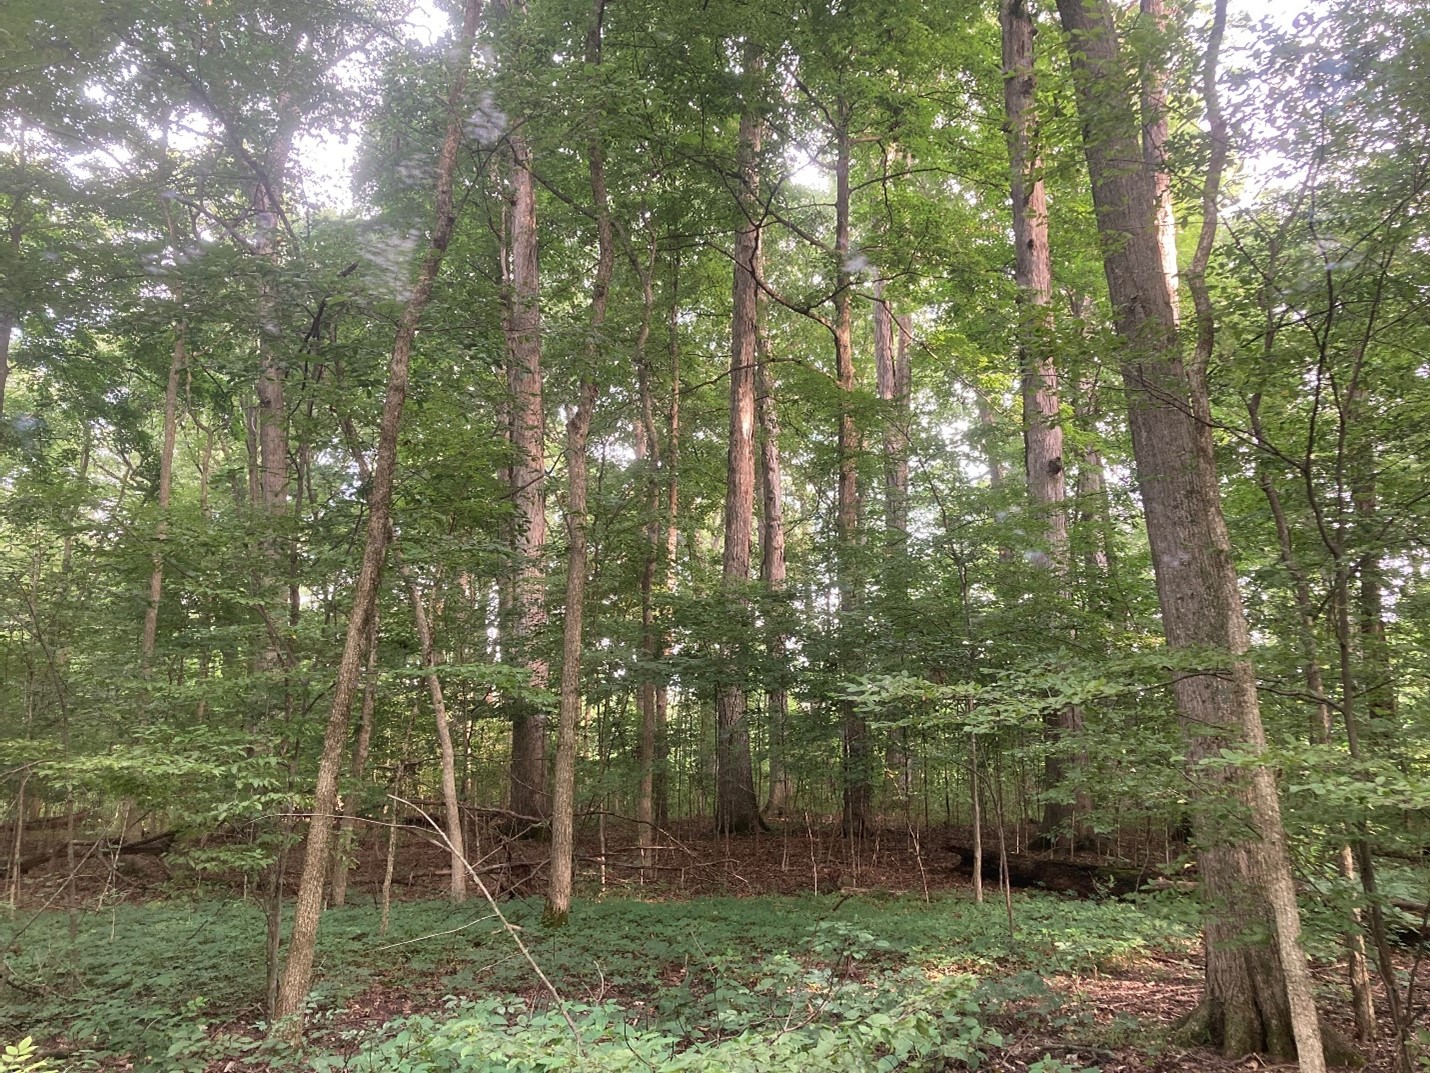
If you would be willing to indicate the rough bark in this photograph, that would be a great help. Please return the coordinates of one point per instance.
(1259, 995)
(307, 911)
(736, 807)
(527, 795)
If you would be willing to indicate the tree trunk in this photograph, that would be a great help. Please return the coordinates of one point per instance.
(451, 804)
(892, 378)
(528, 473)
(660, 778)
(298, 972)
(1259, 995)
(1156, 129)
(271, 414)
(736, 807)
(578, 428)
(10, 316)
(342, 864)
(648, 455)
(772, 572)
(166, 483)
(1042, 433)
(857, 776)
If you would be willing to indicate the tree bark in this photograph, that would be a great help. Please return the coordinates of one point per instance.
(177, 362)
(298, 972)
(892, 377)
(773, 573)
(857, 776)
(578, 428)
(527, 795)
(15, 233)
(342, 865)
(1259, 995)
(1156, 129)
(451, 804)
(736, 807)
(1042, 432)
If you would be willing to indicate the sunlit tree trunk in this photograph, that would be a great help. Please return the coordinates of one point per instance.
(1156, 129)
(307, 910)
(1259, 995)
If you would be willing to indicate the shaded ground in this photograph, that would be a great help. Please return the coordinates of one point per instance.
(155, 984)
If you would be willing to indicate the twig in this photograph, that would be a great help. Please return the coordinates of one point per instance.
(511, 930)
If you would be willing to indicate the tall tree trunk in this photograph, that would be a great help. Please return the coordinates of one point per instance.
(736, 807)
(298, 972)
(857, 776)
(892, 378)
(772, 573)
(1042, 432)
(1259, 995)
(647, 451)
(528, 474)
(578, 428)
(1156, 129)
(563, 800)
(660, 778)
(10, 313)
(272, 373)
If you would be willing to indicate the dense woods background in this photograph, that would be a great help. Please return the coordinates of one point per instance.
(558, 425)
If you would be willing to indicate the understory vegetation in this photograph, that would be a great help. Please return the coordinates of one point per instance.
(805, 983)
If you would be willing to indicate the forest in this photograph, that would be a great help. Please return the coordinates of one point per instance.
(740, 535)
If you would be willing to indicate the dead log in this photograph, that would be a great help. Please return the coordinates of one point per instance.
(155, 845)
(1064, 877)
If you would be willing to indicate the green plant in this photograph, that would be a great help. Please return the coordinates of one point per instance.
(22, 1058)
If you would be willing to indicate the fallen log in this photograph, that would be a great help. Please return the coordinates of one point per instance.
(1064, 877)
(155, 844)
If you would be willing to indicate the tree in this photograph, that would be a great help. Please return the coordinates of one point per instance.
(297, 973)
(1259, 995)
(736, 809)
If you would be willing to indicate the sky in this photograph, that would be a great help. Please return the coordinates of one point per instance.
(329, 159)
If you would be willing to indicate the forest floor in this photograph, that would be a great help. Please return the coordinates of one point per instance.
(778, 952)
